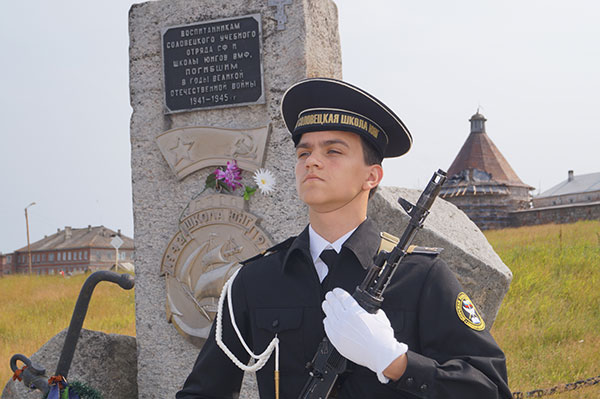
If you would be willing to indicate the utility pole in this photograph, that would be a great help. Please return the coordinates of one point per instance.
(28, 246)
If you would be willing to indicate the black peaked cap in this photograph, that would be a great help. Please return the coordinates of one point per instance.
(318, 104)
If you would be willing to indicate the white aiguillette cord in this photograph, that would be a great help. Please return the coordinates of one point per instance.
(261, 359)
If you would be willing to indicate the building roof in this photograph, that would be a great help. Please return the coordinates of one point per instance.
(480, 153)
(88, 237)
(574, 184)
(472, 182)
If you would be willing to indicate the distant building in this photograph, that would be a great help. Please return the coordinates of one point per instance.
(576, 198)
(482, 183)
(5, 261)
(70, 250)
(575, 190)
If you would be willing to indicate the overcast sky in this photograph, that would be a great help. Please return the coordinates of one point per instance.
(531, 66)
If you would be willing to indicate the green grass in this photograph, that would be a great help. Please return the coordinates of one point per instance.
(549, 321)
(36, 308)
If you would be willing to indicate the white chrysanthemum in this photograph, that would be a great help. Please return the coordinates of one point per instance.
(264, 180)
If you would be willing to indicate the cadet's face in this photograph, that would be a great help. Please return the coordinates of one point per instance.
(330, 169)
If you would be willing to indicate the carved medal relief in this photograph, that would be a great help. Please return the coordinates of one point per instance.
(190, 149)
(205, 252)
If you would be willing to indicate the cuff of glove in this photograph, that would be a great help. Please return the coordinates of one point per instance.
(395, 352)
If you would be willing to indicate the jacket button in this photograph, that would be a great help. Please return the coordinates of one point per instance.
(423, 387)
(410, 381)
(275, 323)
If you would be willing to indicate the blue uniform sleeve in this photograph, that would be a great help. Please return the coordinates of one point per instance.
(454, 360)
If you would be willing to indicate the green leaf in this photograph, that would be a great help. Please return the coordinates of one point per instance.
(248, 191)
(211, 181)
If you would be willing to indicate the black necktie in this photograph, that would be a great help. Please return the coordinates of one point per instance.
(329, 256)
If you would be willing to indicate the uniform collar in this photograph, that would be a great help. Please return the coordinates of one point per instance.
(317, 243)
(364, 243)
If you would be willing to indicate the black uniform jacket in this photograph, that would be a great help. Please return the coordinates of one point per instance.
(281, 294)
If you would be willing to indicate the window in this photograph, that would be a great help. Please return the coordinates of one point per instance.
(50, 257)
(69, 255)
(43, 257)
(8, 258)
(85, 255)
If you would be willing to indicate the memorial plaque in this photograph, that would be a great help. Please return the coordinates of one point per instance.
(213, 64)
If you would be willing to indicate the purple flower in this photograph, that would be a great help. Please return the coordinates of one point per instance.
(231, 176)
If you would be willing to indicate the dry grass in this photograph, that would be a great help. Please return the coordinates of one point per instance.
(549, 321)
(34, 309)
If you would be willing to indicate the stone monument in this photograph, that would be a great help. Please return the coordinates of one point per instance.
(206, 80)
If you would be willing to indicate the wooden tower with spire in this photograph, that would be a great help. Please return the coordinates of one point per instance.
(482, 183)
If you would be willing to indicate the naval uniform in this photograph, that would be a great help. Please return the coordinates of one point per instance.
(281, 294)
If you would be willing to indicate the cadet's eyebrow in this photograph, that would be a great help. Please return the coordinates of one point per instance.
(303, 145)
(336, 141)
(323, 143)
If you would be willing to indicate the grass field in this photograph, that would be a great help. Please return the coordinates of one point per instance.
(34, 309)
(547, 326)
(550, 318)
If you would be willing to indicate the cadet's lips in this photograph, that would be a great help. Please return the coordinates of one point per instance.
(311, 177)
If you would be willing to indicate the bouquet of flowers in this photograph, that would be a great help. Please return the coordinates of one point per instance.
(229, 178)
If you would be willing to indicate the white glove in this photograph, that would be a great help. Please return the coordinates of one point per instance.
(364, 338)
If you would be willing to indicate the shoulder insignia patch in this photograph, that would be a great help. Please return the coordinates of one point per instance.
(277, 247)
(467, 313)
(413, 249)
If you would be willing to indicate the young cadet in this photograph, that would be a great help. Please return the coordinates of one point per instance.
(427, 341)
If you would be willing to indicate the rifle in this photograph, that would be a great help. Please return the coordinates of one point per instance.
(328, 363)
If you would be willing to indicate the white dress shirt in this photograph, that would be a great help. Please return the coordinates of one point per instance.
(317, 244)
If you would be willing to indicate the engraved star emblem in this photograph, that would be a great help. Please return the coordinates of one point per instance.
(181, 151)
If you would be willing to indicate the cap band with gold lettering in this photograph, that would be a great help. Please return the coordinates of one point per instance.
(320, 104)
(313, 120)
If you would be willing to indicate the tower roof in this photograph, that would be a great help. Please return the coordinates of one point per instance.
(479, 152)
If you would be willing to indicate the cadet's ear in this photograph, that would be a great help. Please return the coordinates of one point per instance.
(374, 177)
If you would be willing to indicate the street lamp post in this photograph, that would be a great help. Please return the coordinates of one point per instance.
(28, 246)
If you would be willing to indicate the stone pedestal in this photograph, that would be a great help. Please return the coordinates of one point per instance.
(105, 362)
(307, 46)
